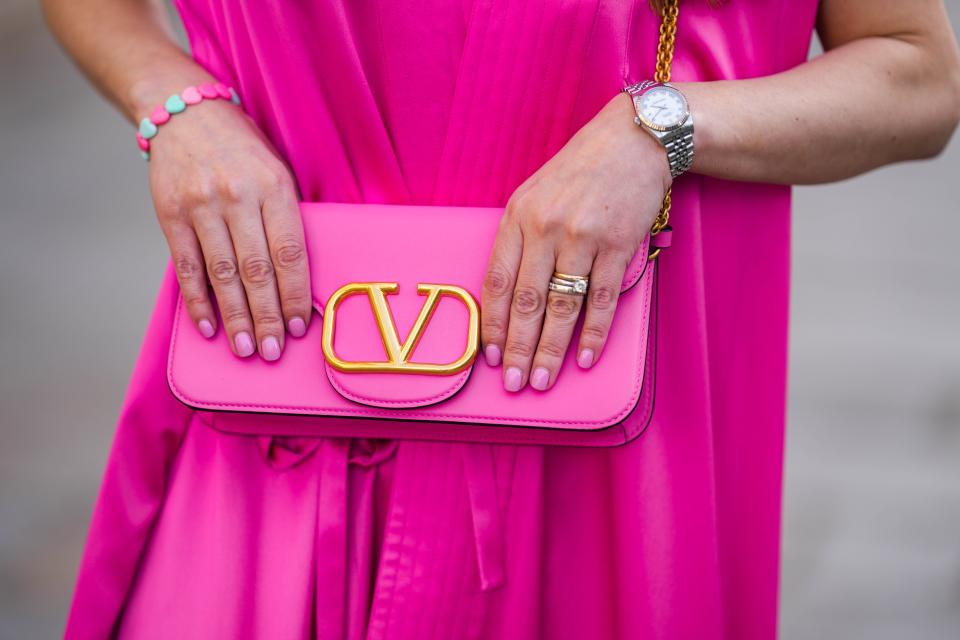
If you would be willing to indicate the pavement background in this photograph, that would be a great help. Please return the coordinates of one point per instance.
(872, 513)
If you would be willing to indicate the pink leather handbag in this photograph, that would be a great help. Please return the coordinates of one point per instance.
(379, 272)
(382, 271)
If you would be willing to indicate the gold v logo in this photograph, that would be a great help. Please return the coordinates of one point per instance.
(398, 354)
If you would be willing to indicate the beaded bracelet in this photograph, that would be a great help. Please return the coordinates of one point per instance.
(177, 103)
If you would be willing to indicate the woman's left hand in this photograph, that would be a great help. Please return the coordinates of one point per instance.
(585, 212)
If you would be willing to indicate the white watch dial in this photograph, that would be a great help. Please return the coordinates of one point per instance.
(663, 108)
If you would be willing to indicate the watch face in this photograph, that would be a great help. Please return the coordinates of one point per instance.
(663, 108)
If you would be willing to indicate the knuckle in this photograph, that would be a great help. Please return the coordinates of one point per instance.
(289, 253)
(551, 347)
(543, 221)
(517, 202)
(168, 208)
(235, 315)
(579, 228)
(497, 281)
(595, 332)
(563, 307)
(493, 326)
(518, 349)
(194, 300)
(528, 301)
(296, 301)
(232, 189)
(266, 317)
(257, 269)
(201, 190)
(275, 179)
(187, 268)
(602, 297)
(222, 270)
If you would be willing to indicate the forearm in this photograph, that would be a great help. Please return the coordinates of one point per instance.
(126, 48)
(869, 102)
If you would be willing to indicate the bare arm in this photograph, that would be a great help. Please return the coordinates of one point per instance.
(887, 89)
(126, 48)
(224, 199)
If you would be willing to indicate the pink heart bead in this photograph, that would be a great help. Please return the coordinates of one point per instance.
(142, 142)
(222, 90)
(207, 91)
(159, 116)
(191, 95)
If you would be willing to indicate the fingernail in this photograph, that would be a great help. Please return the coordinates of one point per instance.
(492, 354)
(585, 359)
(297, 327)
(243, 344)
(540, 379)
(206, 329)
(270, 347)
(512, 379)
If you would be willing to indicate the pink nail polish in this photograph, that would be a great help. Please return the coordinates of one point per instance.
(492, 354)
(297, 327)
(512, 379)
(243, 344)
(585, 359)
(540, 379)
(270, 348)
(206, 329)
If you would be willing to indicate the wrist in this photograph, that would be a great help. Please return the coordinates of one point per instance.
(663, 112)
(705, 133)
(177, 103)
(145, 94)
(655, 163)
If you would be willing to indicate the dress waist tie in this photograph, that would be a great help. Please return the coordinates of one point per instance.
(480, 476)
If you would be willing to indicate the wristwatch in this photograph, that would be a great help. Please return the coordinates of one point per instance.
(663, 111)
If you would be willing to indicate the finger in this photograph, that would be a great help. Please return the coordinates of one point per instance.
(281, 220)
(526, 314)
(259, 279)
(497, 291)
(224, 276)
(562, 312)
(188, 263)
(605, 281)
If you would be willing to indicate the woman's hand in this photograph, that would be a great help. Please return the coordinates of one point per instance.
(228, 208)
(585, 212)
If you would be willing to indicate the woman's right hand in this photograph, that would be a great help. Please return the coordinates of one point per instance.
(227, 205)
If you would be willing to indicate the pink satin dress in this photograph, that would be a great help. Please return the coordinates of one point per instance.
(203, 534)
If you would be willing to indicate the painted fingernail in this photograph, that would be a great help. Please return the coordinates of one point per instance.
(270, 347)
(540, 379)
(512, 379)
(243, 344)
(585, 359)
(206, 329)
(492, 354)
(297, 327)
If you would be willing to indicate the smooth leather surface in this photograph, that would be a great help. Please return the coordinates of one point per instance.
(411, 245)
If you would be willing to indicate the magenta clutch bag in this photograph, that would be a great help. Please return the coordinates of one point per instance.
(392, 350)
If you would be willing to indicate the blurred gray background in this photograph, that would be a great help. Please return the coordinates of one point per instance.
(872, 512)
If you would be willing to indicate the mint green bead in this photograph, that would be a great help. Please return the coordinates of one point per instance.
(234, 98)
(174, 104)
(145, 155)
(147, 129)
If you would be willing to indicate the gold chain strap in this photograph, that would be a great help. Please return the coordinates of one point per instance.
(668, 37)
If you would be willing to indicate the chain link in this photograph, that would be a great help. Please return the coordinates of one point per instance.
(665, 47)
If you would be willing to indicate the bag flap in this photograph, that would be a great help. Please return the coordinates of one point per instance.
(387, 252)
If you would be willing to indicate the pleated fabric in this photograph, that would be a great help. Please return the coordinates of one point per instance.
(198, 533)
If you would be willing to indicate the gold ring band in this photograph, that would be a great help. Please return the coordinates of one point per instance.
(566, 276)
